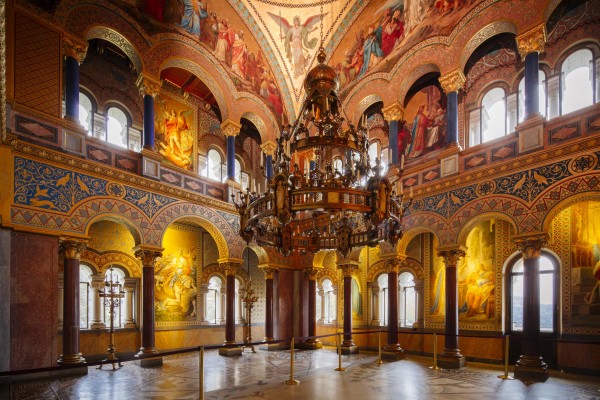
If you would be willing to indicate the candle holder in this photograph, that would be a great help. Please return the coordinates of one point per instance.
(249, 300)
(112, 293)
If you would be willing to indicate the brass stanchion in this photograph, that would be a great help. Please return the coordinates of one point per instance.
(201, 371)
(292, 381)
(339, 348)
(379, 362)
(505, 376)
(434, 366)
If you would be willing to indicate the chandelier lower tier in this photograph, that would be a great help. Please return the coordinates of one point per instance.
(320, 208)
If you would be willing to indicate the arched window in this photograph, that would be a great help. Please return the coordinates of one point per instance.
(374, 153)
(577, 81)
(407, 299)
(382, 282)
(238, 171)
(116, 276)
(329, 302)
(541, 94)
(493, 115)
(86, 112)
(85, 295)
(547, 284)
(213, 302)
(213, 165)
(117, 128)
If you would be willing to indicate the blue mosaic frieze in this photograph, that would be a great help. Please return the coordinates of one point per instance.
(149, 203)
(527, 185)
(232, 220)
(446, 204)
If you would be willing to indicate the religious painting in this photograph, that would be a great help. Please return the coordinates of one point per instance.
(585, 263)
(356, 298)
(174, 127)
(175, 275)
(476, 283)
(385, 30)
(424, 130)
(437, 282)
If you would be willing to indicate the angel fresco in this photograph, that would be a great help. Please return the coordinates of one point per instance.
(175, 140)
(296, 39)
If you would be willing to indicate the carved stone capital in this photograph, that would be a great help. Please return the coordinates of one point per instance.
(452, 254)
(147, 254)
(348, 268)
(230, 266)
(312, 273)
(72, 247)
(269, 272)
(394, 263)
(74, 47)
(148, 85)
(530, 245)
(453, 81)
(531, 41)
(393, 112)
(230, 128)
(268, 148)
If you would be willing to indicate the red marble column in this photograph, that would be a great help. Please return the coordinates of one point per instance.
(71, 249)
(531, 365)
(393, 346)
(451, 356)
(148, 256)
(312, 343)
(268, 304)
(348, 345)
(230, 268)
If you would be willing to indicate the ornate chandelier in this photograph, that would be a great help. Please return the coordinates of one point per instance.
(323, 208)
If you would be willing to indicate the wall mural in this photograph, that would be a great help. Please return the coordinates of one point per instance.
(425, 128)
(438, 284)
(175, 126)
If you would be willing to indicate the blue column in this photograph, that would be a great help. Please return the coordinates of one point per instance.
(72, 88)
(393, 142)
(148, 122)
(312, 165)
(532, 96)
(231, 157)
(452, 119)
(269, 163)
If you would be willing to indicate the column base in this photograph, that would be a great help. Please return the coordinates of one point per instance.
(451, 359)
(147, 361)
(129, 325)
(98, 325)
(230, 351)
(393, 352)
(531, 368)
(269, 346)
(349, 348)
(71, 359)
(311, 344)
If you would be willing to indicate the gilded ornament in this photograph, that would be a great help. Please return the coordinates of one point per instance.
(3, 70)
(269, 147)
(393, 112)
(71, 247)
(148, 85)
(312, 273)
(532, 41)
(147, 256)
(230, 267)
(269, 272)
(451, 254)
(230, 128)
(531, 245)
(74, 47)
(452, 82)
(347, 269)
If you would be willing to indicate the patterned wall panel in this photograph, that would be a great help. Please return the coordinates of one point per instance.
(564, 132)
(36, 129)
(37, 66)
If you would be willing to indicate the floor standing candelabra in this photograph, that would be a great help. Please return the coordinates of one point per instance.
(112, 293)
(249, 301)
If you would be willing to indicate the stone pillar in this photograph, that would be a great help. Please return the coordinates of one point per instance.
(72, 249)
(312, 310)
(60, 300)
(531, 365)
(511, 112)
(74, 50)
(393, 114)
(451, 83)
(375, 294)
(269, 148)
(348, 268)
(393, 348)
(451, 357)
(202, 309)
(419, 288)
(149, 88)
(129, 304)
(230, 267)
(597, 79)
(230, 129)
(148, 256)
(269, 274)
(530, 44)
(553, 87)
(97, 285)
(322, 296)
(239, 316)
(221, 306)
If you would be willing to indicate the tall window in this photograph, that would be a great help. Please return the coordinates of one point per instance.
(330, 302)
(117, 127)
(213, 165)
(238, 171)
(86, 112)
(547, 295)
(117, 277)
(493, 115)
(577, 81)
(85, 295)
(382, 282)
(541, 94)
(213, 300)
(408, 299)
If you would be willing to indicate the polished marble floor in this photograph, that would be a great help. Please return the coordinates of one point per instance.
(261, 376)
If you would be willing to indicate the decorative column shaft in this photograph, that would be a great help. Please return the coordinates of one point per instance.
(148, 256)
(149, 88)
(269, 273)
(451, 84)
(61, 301)
(348, 268)
(451, 357)
(376, 293)
(531, 365)
(419, 288)
(231, 268)
(230, 129)
(75, 51)
(269, 149)
(322, 296)
(97, 286)
(393, 267)
(530, 44)
(312, 343)
(72, 249)
(393, 113)
(129, 321)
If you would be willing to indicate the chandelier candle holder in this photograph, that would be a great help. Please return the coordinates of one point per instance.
(249, 299)
(112, 293)
(323, 208)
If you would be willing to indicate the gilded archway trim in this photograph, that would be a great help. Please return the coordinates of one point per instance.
(488, 31)
(114, 37)
(468, 225)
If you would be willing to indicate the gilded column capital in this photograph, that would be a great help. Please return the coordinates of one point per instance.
(311, 155)
(453, 81)
(147, 254)
(451, 254)
(348, 268)
(395, 262)
(312, 273)
(74, 47)
(148, 85)
(530, 245)
(269, 272)
(72, 247)
(531, 41)
(230, 128)
(393, 112)
(269, 147)
(230, 266)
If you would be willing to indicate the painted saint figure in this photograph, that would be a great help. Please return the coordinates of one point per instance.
(193, 13)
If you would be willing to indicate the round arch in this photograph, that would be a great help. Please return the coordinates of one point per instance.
(482, 35)
(364, 104)
(468, 225)
(412, 77)
(131, 225)
(410, 235)
(566, 203)
(114, 37)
